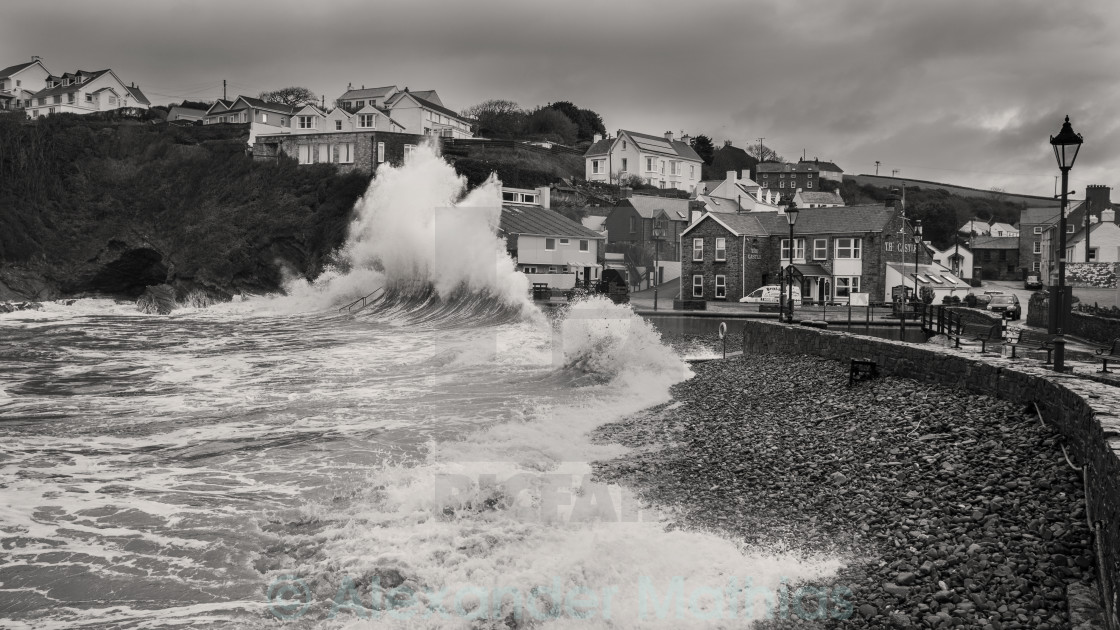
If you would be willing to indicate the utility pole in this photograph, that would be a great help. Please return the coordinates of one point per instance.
(1088, 207)
(894, 173)
(223, 89)
(760, 149)
(876, 168)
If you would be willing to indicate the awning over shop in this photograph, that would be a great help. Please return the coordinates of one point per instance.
(812, 269)
(934, 276)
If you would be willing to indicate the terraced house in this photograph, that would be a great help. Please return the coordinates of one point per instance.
(664, 162)
(836, 252)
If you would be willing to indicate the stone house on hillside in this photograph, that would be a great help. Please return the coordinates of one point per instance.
(630, 230)
(358, 150)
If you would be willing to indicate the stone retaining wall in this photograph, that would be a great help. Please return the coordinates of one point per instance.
(1086, 413)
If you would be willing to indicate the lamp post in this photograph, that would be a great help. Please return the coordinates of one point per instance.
(1066, 145)
(791, 214)
(658, 236)
(917, 244)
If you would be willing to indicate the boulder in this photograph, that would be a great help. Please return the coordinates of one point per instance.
(157, 300)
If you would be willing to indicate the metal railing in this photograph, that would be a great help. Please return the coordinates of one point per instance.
(364, 301)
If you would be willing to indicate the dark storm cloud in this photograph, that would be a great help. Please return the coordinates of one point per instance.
(954, 89)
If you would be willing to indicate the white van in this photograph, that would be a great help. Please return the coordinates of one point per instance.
(769, 295)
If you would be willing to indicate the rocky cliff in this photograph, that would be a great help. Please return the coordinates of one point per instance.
(109, 207)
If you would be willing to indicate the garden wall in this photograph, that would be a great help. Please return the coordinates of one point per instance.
(1082, 410)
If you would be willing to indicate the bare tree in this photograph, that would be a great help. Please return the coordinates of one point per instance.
(766, 155)
(294, 96)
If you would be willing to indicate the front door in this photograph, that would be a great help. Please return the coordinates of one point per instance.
(586, 277)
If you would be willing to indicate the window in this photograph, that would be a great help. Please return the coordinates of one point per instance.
(697, 249)
(304, 154)
(346, 153)
(798, 249)
(380, 152)
(409, 149)
(338, 125)
(721, 249)
(1036, 266)
(721, 287)
(549, 244)
(820, 248)
(1069, 228)
(845, 286)
(1038, 229)
(58, 99)
(662, 167)
(623, 145)
(583, 245)
(1003, 254)
(597, 167)
(306, 122)
(649, 165)
(674, 168)
(264, 117)
(624, 168)
(1038, 247)
(782, 184)
(848, 248)
(809, 184)
(529, 269)
(552, 269)
(765, 176)
(366, 121)
(697, 286)
(633, 225)
(359, 104)
(692, 171)
(70, 98)
(89, 98)
(563, 241)
(324, 153)
(1092, 254)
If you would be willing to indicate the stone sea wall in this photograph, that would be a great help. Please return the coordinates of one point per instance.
(1086, 413)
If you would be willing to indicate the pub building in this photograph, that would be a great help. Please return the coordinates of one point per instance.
(836, 251)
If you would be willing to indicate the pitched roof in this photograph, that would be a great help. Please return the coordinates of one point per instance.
(737, 224)
(137, 94)
(995, 242)
(538, 221)
(776, 167)
(648, 207)
(185, 111)
(824, 166)
(655, 144)
(376, 92)
(1035, 216)
(259, 104)
(64, 89)
(841, 220)
(427, 95)
(593, 222)
(10, 70)
(601, 147)
(820, 196)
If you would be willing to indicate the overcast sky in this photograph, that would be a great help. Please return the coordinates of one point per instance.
(963, 91)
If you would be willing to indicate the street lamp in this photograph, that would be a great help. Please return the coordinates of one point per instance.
(658, 236)
(917, 245)
(1066, 145)
(791, 214)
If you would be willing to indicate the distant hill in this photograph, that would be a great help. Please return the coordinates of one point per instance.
(884, 181)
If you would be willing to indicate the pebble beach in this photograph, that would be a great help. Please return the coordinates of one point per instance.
(950, 509)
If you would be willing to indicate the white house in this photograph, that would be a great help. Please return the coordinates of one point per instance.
(817, 199)
(733, 194)
(422, 113)
(83, 92)
(354, 99)
(1104, 241)
(246, 109)
(936, 277)
(185, 114)
(19, 82)
(956, 258)
(998, 228)
(548, 247)
(661, 161)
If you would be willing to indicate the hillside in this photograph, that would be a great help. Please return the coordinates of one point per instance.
(517, 165)
(90, 205)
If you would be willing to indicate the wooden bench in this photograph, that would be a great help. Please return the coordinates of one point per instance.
(1031, 340)
(1106, 354)
(977, 332)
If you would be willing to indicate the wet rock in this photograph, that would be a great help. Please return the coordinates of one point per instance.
(157, 300)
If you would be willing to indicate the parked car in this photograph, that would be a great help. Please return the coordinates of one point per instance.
(1006, 305)
(769, 295)
(985, 298)
(1033, 281)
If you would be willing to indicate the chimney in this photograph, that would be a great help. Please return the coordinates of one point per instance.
(349, 86)
(35, 58)
(597, 137)
(732, 177)
(685, 138)
(1108, 216)
(669, 136)
(544, 194)
(1098, 196)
